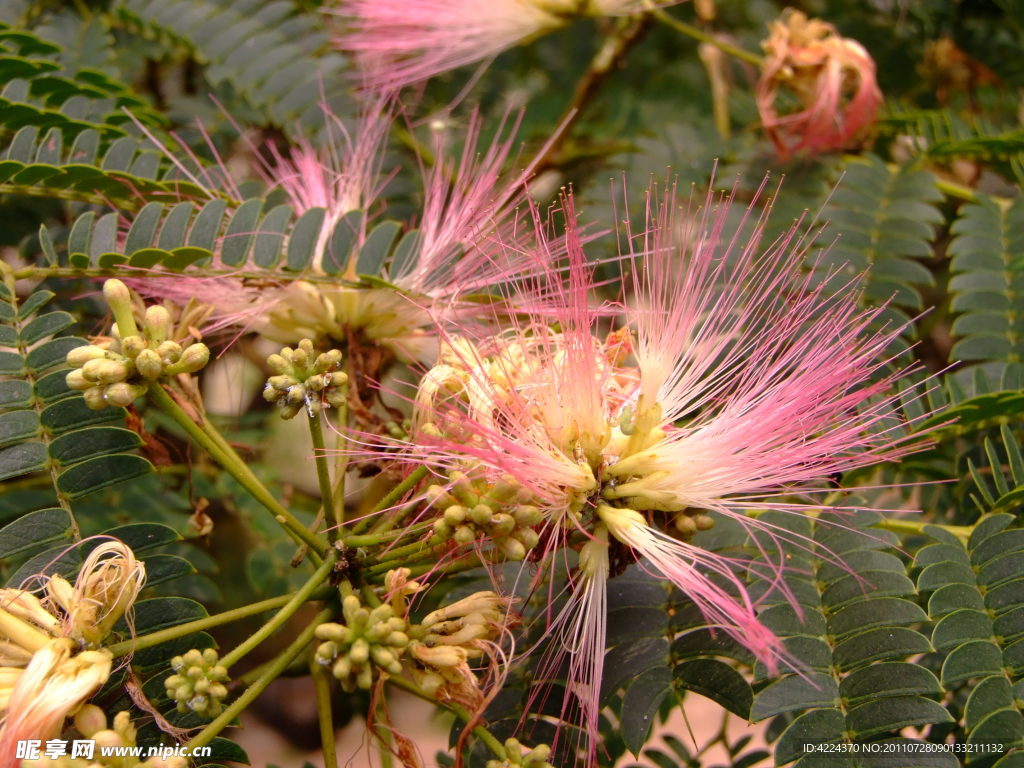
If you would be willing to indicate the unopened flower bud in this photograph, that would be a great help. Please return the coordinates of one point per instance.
(277, 364)
(132, 346)
(149, 364)
(94, 398)
(76, 380)
(79, 356)
(119, 299)
(91, 369)
(89, 720)
(169, 351)
(110, 371)
(123, 394)
(193, 359)
(158, 323)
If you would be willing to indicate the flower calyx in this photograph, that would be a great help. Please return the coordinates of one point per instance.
(304, 379)
(198, 683)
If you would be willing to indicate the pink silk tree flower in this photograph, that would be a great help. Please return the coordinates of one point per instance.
(735, 382)
(831, 79)
(468, 199)
(399, 43)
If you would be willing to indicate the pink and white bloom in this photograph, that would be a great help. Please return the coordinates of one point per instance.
(467, 201)
(399, 43)
(832, 79)
(747, 382)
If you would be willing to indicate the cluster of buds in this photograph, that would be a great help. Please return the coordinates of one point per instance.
(118, 370)
(198, 683)
(517, 755)
(472, 509)
(304, 379)
(368, 641)
(120, 735)
(445, 641)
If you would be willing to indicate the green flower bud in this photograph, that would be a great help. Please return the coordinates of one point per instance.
(158, 324)
(91, 369)
(94, 398)
(193, 359)
(124, 394)
(455, 514)
(79, 356)
(76, 380)
(110, 371)
(119, 299)
(89, 720)
(277, 364)
(169, 351)
(132, 346)
(513, 549)
(149, 364)
(481, 514)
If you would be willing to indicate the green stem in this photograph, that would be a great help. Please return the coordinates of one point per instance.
(226, 617)
(324, 712)
(698, 34)
(400, 556)
(286, 612)
(341, 469)
(391, 499)
(210, 439)
(323, 476)
(461, 712)
(274, 669)
(372, 539)
(916, 527)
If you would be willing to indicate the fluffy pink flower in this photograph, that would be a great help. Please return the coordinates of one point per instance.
(398, 43)
(832, 79)
(748, 382)
(467, 202)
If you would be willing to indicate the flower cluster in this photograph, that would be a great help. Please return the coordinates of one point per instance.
(91, 722)
(304, 379)
(731, 382)
(482, 511)
(446, 641)
(517, 755)
(198, 683)
(118, 370)
(368, 641)
(50, 659)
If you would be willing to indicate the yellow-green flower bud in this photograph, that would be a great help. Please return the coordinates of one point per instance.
(124, 394)
(89, 719)
(110, 371)
(79, 356)
(132, 346)
(76, 380)
(119, 299)
(278, 365)
(158, 323)
(169, 351)
(481, 514)
(149, 364)
(94, 398)
(193, 359)
(91, 369)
